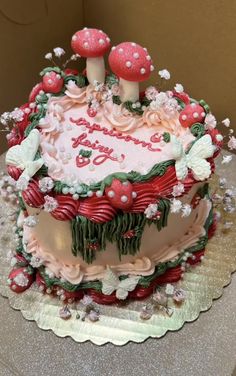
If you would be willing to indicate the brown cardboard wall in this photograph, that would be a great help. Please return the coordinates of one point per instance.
(195, 41)
(28, 30)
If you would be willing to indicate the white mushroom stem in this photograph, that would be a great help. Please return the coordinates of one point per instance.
(95, 69)
(129, 90)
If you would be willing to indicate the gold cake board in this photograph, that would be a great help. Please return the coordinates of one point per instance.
(119, 324)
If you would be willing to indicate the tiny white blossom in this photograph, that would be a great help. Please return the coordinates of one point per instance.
(176, 206)
(210, 121)
(49, 273)
(165, 74)
(13, 261)
(17, 115)
(36, 262)
(179, 88)
(178, 190)
(31, 221)
(151, 210)
(186, 210)
(74, 57)
(226, 159)
(21, 280)
(58, 51)
(22, 183)
(87, 300)
(226, 122)
(50, 204)
(46, 184)
(232, 143)
(48, 56)
(151, 93)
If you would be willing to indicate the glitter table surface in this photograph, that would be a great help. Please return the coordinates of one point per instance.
(206, 347)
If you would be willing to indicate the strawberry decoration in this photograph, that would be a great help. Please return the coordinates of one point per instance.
(184, 97)
(91, 112)
(35, 91)
(16, 136)
(120, 194)
(191, 114)
(69, 71)
(82, 161)
(20, 279)
(217, 140)
(52, 82)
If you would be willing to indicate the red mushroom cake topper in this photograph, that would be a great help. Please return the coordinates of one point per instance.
(92, 44)
(132, 64)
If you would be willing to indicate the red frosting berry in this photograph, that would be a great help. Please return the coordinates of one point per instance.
(191, 114)
(90, 42)
(120, 194)
(67, 208)
(16, 136)
(184, 97)
(91, 112)
(131, 62)
(52, 82)
(20, 279)
(69, 71)
(35, 91)
(14, 172)
(32, 195)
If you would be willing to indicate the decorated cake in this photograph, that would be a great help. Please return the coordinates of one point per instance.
(112, 182)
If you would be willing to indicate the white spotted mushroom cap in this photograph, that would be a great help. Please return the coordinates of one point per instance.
(131, 62)
(90, 42)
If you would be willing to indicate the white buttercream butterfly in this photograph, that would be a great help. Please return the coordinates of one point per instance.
(195, 159)
(22, 156)
(111, 283)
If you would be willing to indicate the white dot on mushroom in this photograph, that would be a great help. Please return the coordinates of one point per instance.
(136, 55)
(184, 117)
(195, 115)
(128, 64)
(142, 70)
(124, 198)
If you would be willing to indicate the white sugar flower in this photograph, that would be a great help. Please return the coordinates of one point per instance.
(74, 57)
(232, 143)
(226, 159)
(48, 56)
(22, 183)
(31, 221)
(13, 261)
(21, 280)
(36, 262)
(226, 122)
(165, 74)
(178, 189)
(176, 206)
(210, 121)
(49, 273)
(151, 93)
(186, 210)
(50, 204)
(87, 300)
(179, 88)
(46, 184)
(17, 115)
(58, 51)
(151, 210)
